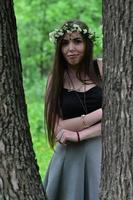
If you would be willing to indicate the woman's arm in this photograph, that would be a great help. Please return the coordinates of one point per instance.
(90, 132)
(65, 136)
(80, 123)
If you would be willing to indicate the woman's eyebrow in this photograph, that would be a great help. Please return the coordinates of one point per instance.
(76, 38)
(65, 39)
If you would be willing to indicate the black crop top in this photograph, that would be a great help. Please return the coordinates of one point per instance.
(71, 105)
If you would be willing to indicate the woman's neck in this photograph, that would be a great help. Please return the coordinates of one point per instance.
(73, 69)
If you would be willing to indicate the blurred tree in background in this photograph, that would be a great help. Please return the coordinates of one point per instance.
(35, 19)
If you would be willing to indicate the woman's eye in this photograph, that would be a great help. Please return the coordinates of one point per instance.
(77, 41)
(64, 42)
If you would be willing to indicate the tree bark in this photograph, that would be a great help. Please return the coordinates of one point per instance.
(117, 153)
(19, 176)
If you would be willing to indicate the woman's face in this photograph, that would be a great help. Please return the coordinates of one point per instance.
(73, 48)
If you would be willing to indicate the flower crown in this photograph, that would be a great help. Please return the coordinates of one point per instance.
(54, 35)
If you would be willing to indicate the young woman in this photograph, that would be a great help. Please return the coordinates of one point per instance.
(73, 113)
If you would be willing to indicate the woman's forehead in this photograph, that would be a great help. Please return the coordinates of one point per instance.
(72, 35)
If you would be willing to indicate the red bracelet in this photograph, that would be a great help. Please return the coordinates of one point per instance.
(78, 136)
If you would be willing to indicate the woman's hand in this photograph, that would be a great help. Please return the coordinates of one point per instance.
(63, 136)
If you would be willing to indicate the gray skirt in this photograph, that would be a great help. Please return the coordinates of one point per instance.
(74, 171)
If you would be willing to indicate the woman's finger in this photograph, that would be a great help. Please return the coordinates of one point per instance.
(59, 135)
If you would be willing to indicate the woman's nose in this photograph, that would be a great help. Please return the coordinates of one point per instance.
(71, 46)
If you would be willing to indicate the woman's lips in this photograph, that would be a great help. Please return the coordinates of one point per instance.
(72, 56)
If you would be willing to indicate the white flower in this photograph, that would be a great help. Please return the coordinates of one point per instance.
(60, 33)
(75, 25)
(79, 29)
(68, 31)
(52, 37)
(56, 30)
(84, 31)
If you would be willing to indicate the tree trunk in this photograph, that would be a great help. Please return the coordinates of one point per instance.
(117, 155)
(19, 176)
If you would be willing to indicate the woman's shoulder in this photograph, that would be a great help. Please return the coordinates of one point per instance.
(99, 63)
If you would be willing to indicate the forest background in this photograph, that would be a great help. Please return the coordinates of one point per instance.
(35, 19)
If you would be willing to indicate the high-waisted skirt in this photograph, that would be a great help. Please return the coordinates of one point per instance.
(74, 171)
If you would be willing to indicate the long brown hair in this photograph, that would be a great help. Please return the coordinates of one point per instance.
(55, 85)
